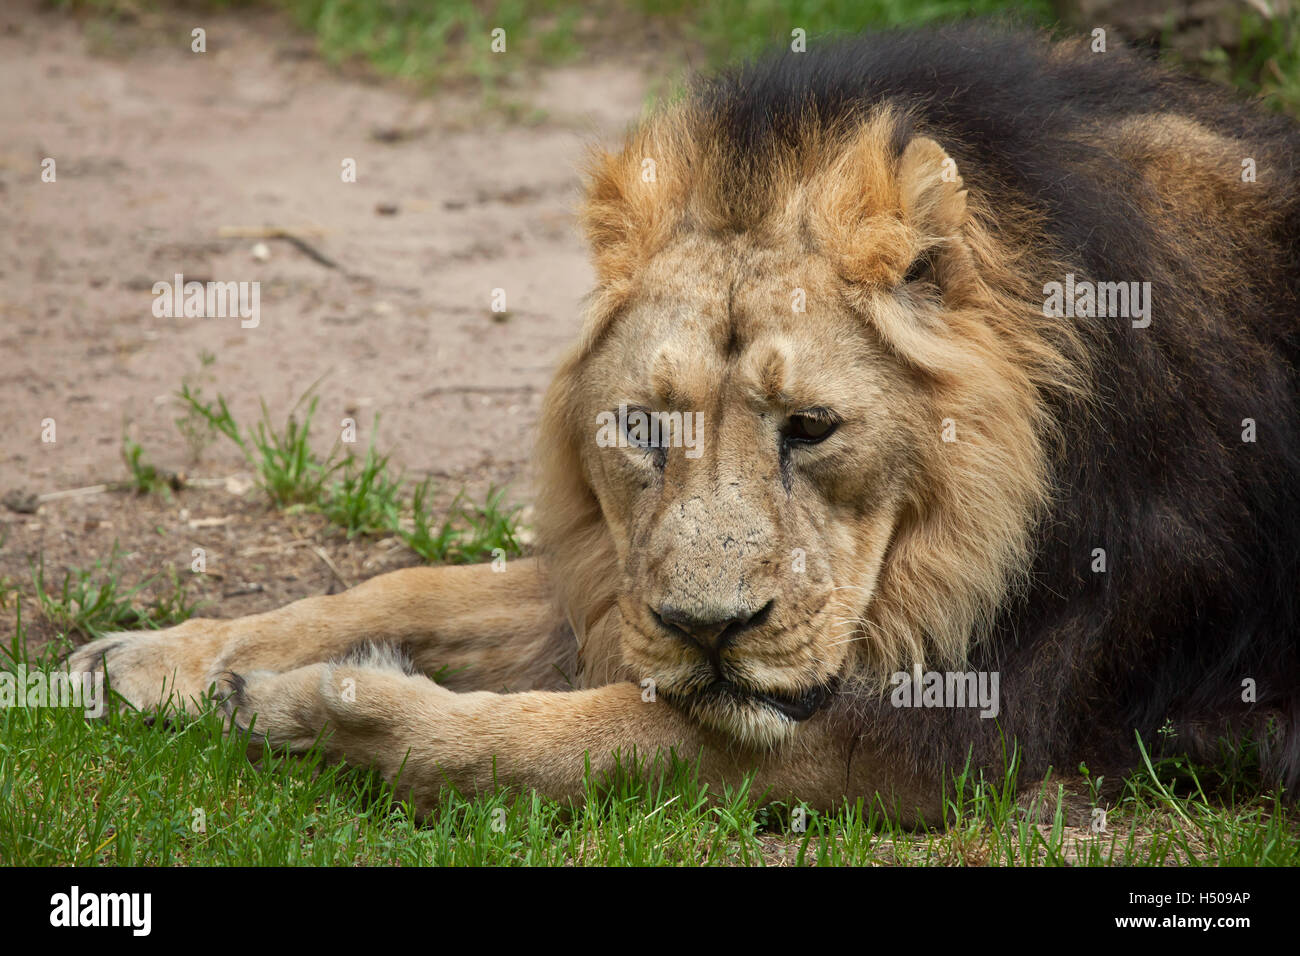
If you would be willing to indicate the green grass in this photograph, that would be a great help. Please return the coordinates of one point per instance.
(1264, 63)
(430, 42)
(470, 532)
(1267, 61)
(282, 459)
(426, 42)
(367, 499)
(145, 476)
(437, 40)
(730, 30)
(124, 791)
(359, 494)
(91, 602)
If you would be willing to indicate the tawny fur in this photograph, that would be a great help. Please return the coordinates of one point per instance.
(905, 541)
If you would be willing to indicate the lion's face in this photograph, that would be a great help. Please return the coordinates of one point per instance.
(750, 546)
(860, 373)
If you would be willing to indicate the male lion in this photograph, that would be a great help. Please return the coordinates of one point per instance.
(993, 343)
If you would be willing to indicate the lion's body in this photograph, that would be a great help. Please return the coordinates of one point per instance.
(916, 469)
(1128, 173)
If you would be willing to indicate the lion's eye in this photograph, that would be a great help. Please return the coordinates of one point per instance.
(810, 429)
(643, 429)
(921, 268)
(636, 424)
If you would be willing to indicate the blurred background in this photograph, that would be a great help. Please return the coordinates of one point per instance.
(1252, 44)
(207, 138)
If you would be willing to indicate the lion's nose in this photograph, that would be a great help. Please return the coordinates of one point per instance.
(710, 632)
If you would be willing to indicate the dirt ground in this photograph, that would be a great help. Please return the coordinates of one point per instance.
(166, 161)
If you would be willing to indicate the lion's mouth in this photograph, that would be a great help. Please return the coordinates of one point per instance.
(796, 707)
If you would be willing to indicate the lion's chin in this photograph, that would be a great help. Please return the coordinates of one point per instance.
(753, 718)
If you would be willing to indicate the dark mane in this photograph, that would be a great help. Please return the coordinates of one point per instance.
(1201, 530)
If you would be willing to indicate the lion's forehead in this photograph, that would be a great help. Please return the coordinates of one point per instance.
(761, 325)
(774, 368)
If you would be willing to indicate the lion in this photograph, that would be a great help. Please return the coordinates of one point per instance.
(936, 401)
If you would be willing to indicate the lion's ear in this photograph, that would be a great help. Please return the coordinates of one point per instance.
(876, 213)
(608, 214)
(633, 199)
(930, 189)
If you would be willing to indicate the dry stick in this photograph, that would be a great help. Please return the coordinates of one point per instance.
(82, 492)
(320, 553)
(123, 486)
(293, 237)
(478, 390)
(311, 251)
(275, 548)
(249, 588)
(266, 232)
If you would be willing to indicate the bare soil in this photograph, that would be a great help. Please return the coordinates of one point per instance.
(169, 161)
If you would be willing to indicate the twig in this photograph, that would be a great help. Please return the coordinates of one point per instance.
(273, 549)
(292, 236)
(123, 486)
(320, 553)
(478, 390)
(83, 492)
(266, 232)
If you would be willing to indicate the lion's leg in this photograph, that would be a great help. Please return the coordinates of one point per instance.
(414, 731)
(473, 627)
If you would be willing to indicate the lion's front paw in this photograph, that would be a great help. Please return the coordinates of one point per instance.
(365, 709)
(280, 711)
(155, 669)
